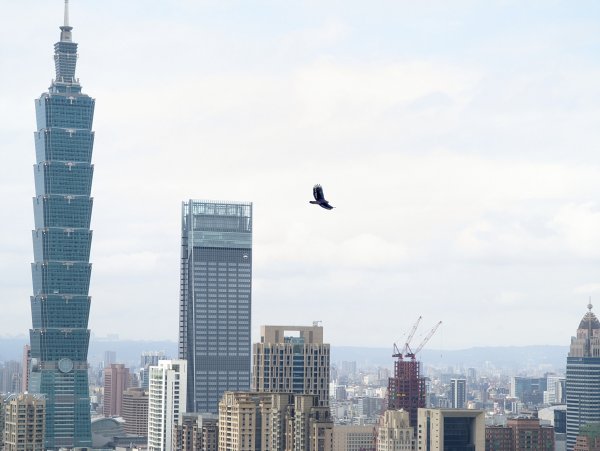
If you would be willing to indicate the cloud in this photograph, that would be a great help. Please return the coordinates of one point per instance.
(118, 264)
(579, 224)
(588, 288)
(462, 162)
(316, 38)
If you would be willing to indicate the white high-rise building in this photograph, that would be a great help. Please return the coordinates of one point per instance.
(553, 393)
(167, 399)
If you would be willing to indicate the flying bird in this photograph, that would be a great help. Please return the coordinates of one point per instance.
(320, 198)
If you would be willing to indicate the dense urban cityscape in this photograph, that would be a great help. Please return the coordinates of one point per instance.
(220, 390)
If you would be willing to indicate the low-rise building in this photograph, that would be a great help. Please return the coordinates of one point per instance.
(588, 438)
(353, 438)
(519, 434)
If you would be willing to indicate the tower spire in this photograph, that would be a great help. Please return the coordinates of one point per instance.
(65, 29)
(66, 13)
(65, 52)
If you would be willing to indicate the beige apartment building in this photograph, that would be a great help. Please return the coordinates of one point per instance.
(394, 432)
(196, 432)
(292, 359)
(253, 421)
(24, 422)
(353, 437)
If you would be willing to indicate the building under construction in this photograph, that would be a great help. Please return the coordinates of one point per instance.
(406, 389)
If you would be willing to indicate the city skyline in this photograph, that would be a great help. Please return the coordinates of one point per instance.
(460, 152)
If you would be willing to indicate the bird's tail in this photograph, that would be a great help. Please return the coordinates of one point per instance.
(313, 202)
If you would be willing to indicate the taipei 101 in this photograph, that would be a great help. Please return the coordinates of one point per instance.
(300, 226)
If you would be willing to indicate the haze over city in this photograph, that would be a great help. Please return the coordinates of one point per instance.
(458, 142)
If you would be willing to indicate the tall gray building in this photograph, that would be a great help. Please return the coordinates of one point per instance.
(215, 299)
(583, 377)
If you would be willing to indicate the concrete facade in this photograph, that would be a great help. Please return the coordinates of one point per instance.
(451, 430)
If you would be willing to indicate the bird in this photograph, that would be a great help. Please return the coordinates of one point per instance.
(320, 198)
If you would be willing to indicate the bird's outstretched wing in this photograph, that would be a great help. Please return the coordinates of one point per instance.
(318, 193)
(320, 198)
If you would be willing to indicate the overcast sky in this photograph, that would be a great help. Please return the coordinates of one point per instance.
(459, 141)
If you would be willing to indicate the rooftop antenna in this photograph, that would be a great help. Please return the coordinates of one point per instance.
(66, 13)
(589, 315)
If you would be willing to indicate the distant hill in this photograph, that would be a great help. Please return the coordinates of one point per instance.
(517, 358)
(11, 348)
(128, 351)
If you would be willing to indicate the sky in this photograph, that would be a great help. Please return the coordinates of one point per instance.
(458, 141)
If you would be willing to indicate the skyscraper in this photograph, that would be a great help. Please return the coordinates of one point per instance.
(166, 401)
(406, 389)
(459, 393)
(292, 359)
(116, 381)
(61, 243)
(583, 377)
(215, 299)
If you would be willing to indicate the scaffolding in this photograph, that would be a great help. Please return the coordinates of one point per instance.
(406, 389)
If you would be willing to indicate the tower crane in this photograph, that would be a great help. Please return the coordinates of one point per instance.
(406, 348)
(424, 342)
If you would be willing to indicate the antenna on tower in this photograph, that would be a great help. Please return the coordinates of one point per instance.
(66, 13)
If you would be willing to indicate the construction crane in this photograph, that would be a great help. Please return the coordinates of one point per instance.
(424, 342)
(406, 347)
(406, 389)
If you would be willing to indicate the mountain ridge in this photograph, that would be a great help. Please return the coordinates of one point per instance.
(513, 357)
